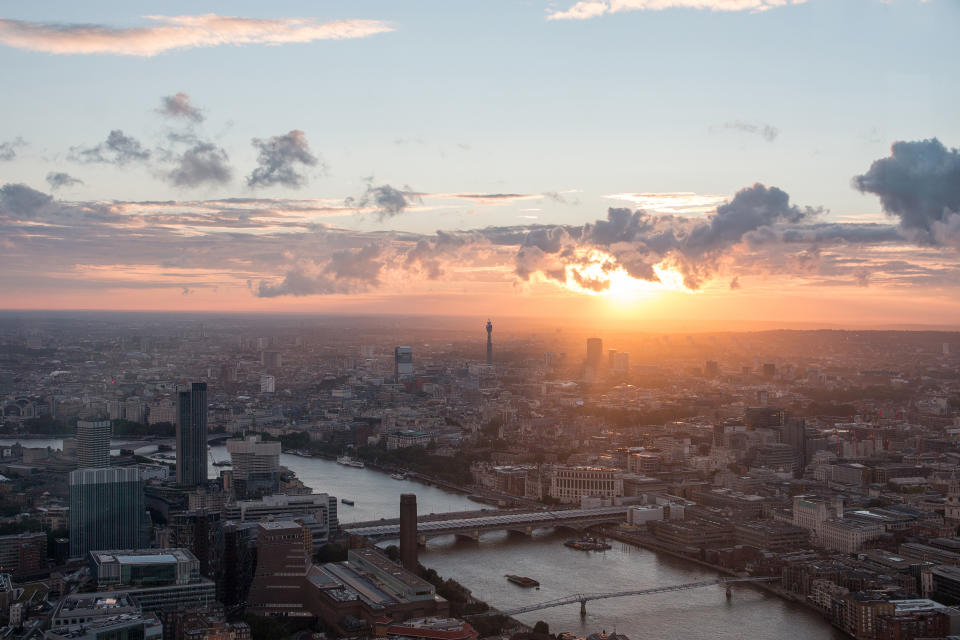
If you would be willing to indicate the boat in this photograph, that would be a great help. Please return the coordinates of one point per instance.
(347, 501)
(587, 543)
(522, 581)
(222, 463)
(398, 476)
(350, 462)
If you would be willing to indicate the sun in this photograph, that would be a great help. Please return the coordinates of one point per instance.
(598, 273)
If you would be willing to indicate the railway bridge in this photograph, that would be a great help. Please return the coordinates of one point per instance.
(524, 522)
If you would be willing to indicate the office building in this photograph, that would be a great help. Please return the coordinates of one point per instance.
(594, 352)
(268, 384)
(284, 552)
(571, 483)
(621, 362)
(93, 444)
(192, 435)
(317, 512)
(106, 510)
(256, 466)
(23, 554)
(141, 567)
(426, 628)
(402, 364)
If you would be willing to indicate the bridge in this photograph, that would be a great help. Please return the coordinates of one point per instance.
(525, 522)
(584, 598)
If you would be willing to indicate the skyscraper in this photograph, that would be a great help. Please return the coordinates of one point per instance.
(192, 435)
(106, 510)
(93, 444)
(402, 363)
(594, 352)
(489, 342)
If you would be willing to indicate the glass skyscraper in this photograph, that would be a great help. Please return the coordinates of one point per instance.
(192, 435)
(106, 510)
(93, 444)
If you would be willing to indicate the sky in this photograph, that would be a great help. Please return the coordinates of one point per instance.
(644, 162)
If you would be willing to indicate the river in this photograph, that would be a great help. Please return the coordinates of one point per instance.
(698, 614)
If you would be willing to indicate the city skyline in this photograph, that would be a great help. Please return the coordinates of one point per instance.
(624, 163)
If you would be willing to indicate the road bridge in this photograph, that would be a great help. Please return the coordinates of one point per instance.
(525, 522)
(584, 598)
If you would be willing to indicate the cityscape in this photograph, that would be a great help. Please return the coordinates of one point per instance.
(541, 320)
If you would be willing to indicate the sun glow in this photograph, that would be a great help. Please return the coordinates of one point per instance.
(598, 273)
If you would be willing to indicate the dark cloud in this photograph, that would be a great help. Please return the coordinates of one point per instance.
(920, 184)
(59, 179)
(387, 201)
(735, 283)
(751, 209)
(22, 201)
(279, 160)
(765, 131)
(179, 106)
(8, 150)
(203, 164)
(118, 148)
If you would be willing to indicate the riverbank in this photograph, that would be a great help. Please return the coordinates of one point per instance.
(767, 587)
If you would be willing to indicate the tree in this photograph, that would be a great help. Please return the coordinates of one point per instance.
(541, 627)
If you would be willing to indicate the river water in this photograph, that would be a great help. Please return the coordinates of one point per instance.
(697, 614)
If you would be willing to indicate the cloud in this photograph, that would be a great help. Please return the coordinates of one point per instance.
(23, 201)
(766, 131)
(586, 9)
(385, 200)
(119, 149)
(59, 179)
(204, 163)
(179, 106)
(167, 33)
(278, 160)
(919, 183)
(347, 271)
(735, 284)
(8, 150)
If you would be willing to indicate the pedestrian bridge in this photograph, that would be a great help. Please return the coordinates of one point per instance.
(584, 598)
(526, 522)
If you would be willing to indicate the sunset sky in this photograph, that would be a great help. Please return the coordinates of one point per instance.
(712, 162)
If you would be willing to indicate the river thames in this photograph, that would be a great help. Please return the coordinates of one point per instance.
(698, 614)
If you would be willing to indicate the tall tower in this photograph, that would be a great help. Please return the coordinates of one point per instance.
(93, 444)
(408, 531)
(192, 435)
(106, 510)
(402, 364)
(489, 342)
(594, 352)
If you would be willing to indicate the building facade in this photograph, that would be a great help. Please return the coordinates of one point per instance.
(106, 510)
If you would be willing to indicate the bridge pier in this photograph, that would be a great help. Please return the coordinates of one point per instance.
(470, 535)
(421, 541)
(583, 608)
(729, 591)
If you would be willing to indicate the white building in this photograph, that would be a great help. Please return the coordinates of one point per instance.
(253, 455)
(268, 384)
(570, 483)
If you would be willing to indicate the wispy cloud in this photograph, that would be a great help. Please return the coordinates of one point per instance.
(8, 150)
(766, 131)
(179, 106)
(167, 33)
(675, 203)
(59, 179)
(586, 9)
